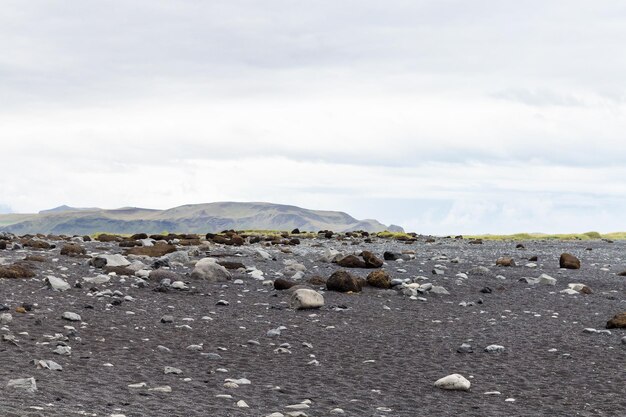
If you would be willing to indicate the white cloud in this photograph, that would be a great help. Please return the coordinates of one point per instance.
(482, 117)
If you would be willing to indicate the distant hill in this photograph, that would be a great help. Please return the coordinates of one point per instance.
(192, 218)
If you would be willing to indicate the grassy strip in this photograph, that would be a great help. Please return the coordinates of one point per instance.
(563, 236)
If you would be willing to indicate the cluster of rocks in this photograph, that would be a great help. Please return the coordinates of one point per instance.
(299, 273)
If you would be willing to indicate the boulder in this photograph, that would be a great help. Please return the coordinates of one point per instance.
(303, 299)
(505, 261)
(16, 270)
(617, 322)
(569, 261)
(283, 284)
(72, 250)
(343, 281)
(351, 261)
(391, 256)
(453, 382)
(100, 261)
(379, 279)
(155, 251)
(371, 260)
(209, 270)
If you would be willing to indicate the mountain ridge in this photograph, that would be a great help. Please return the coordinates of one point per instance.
(188, 218)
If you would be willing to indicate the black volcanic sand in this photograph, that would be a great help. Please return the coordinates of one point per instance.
(412, 343)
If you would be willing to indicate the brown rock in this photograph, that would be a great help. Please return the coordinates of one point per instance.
(160, 274)
(283, 284)
(16, 270)
(155, 251)
(371, 260)
(533, 259)
(617, 322)
(231, 265)
(317, 280)
(108, 238)
(622, 274)
(35, 258)
(138, 236)
(379, 279)
(343, 281)
(351, 261)
(569, 261)
(119, 270)
(72, 249)
(505, 261)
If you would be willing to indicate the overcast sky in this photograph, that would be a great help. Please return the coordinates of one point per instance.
(441, 116)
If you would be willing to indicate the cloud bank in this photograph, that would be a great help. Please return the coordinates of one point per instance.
(443, 117)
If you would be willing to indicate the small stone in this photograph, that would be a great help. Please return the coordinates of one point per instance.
(171, 370)
(494, 349)
(242, 404)
(465, 348)
(167, 319)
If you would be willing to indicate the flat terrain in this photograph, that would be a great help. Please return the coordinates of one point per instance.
(374, 353)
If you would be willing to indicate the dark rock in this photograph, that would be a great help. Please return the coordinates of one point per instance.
(520, 246)
(505, 261)
(159, 275)
(317, 280)
(569, 261)
(295, 231)
(283, 284)
(391, 256)
(379, 279)
(232, 265)
(73, 249)
(16, 270)
(155, 251)
(119, 270)
(138, 236)
(486, 290)
(351, 261)
(617, 322)
(343, 281)
(371, 260)
(533, 259)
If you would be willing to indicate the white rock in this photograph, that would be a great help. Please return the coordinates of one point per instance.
(304, 298)
(68, 315)
(453, 382)
(240, 381)
(57, 284)
(494, 349)
(242, 404)
(209, 270)
(6, 318)
(26, 384)
(100, 279)
(569, 291)
(114, 260)
(547, 279)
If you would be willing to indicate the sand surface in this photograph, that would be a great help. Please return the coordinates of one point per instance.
(379, 352)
